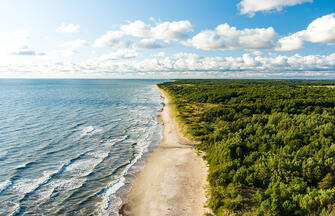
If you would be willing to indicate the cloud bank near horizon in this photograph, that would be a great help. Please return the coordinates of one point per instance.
(182, 65)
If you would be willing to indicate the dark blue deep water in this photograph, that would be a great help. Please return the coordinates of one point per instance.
(67, 145)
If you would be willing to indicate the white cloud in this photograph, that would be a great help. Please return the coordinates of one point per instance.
(119, 54)
(166, 31)
(184, 55)
(321, 30)
(26, 50)
(137, 28)
(176, 31)
(250, 7)
(75, 44)
(68, 28)
(291, 42)
(244, 66)
(71, 48)
(180, 65)
(227, 37)
(112, 39)
(160, 54)
(223, 37)
(193, 65)
(149, 43)
(248, 60)
(257, 53)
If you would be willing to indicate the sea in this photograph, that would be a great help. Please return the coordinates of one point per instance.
(74, 147)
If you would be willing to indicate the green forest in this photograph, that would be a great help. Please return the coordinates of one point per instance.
(269, 144)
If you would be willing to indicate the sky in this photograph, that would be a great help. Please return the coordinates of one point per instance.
(160, 39)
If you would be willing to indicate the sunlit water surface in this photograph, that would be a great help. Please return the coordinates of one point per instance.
(66, 145)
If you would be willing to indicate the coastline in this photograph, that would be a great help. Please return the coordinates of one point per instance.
(173, 179)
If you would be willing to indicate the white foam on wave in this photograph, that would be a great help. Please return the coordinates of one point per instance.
(23, 165)
(4, 185)
(84, 167)
(145, 136)
(61, 184)
(89, 130)
(143, 143)
(76, 173)
(98, 154)
(80, 168)
(66, 184)
(26, 186)
(16, 210)
(113, 141)
(104, 207)
(110, 191)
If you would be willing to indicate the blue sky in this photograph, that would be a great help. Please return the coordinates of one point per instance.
(167, 39)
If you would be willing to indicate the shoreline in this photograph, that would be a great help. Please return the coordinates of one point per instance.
(173, 179)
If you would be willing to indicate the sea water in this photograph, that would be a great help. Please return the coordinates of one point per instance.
(67, 146)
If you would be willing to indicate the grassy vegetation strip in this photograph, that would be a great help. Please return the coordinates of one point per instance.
(176, 115)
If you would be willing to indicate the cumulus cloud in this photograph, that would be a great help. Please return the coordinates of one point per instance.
(228, 67)
(160, 54)
(244, 66)
(223, 37)
(291, 42)
(250, 7)
(75, 44)
(150, 43)
(185, 55)
(26, 50)
(119, 54)
(184, 65)
(68, 28)
(257, 53)
(112, 39)
(176, 31)
(137, 28)
(321, 30)
(166, 31)
(228, 37)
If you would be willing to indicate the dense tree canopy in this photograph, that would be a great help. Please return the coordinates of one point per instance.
(270, 145)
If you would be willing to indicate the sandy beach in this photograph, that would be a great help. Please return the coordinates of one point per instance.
(173, 179)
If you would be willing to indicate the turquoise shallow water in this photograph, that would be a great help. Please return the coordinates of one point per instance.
(67, 145)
